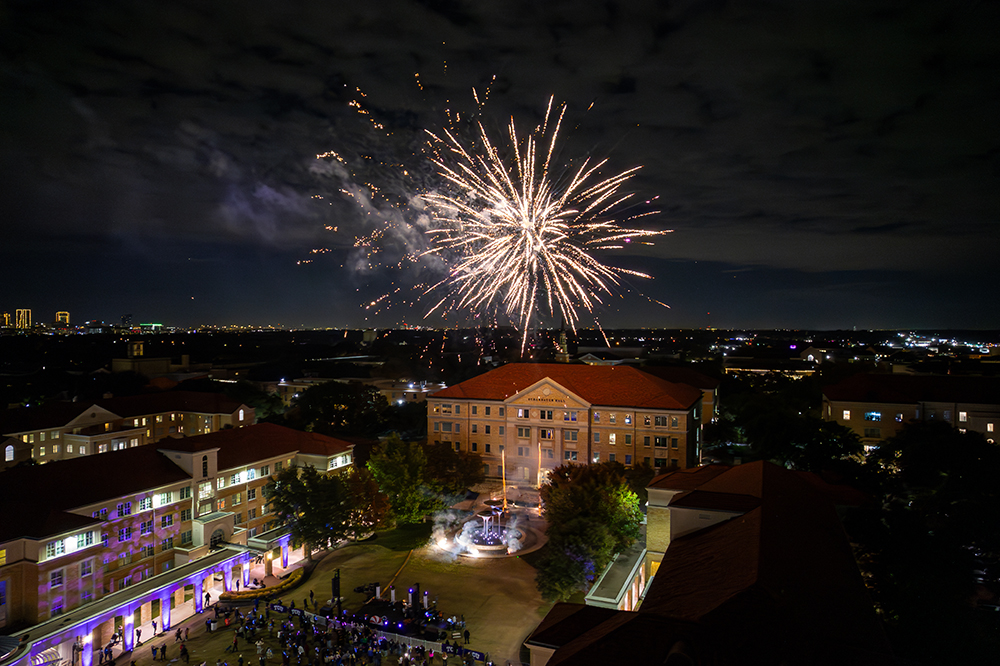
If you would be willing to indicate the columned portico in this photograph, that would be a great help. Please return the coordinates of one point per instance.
(91, 624)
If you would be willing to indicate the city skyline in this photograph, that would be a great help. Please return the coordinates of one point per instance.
(821, 167)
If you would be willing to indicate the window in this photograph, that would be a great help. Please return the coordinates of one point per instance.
(899, 417)
(124, 509)
(222, 505)
(146, 551)
(102, 448)
(57, 608)
(55, 434)
(596, 457)
(41, 451)
(185, 515)
(185, 493)
(55, 448)
(628, 459)
(673, 442)
(962, 417)
(458, 427)
(446, 427)
(86, 596)
(166, 498)
(597, 417)
(628, 440)
(265, 470)
(146, 527)
(220, 483)
(437, 426)
(524, 433)
(521, 450)
(475, 428)
(446, 409)
(873, 433)
(251, 494)
(645, 421)
(545, 433)
(660, 441)
(241, 415)
(989, 427)
(83, 449)
(55, 548)
(167, 544)
(8, 453)
(237, 519)
(569, 455)
(204, 466)
(847, 415)
(458, 409)
(475, 410)
(186, 537)
(873, 416)
(611, 457)
(545, 414)
(145, 504)
(251, 474)
(645, 440)
(487, 409)
(86, 568)
(84, 540)
(628, 419)
(69, 448)
(523, 413)
(569, 416)
(104, 539)
(159, 418)
(475, 447)
(237, 499)
(277, 467)
(612, 417)
(570, 435)
(500, 430)
(251, 514)
(660, 420)
(234, 479)
(597, 438)
(947, 415)
(487, 429)
(645, 461)
(166, 521)
(124, 534)
(487, 447)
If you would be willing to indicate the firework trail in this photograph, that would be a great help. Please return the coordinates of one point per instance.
(519, 233)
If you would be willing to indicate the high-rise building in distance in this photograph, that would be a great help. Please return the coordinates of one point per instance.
(23, 318)
(5, 319)
(62, 317)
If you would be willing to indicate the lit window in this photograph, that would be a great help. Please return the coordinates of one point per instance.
(597, 417)
(241, 415)
(569, 455)
(56, 578)
(847, 415)
(55, 548)
(83, 449)
(545, 434)
(69, 448)
(873, 416)
(8, 453)
(989, 427)
(628, 419)
(611, 438)
(569, 416)
(597, 457)
(41, 451)
(86, 568)
(963, 417)
(899, 417)
(612, 417)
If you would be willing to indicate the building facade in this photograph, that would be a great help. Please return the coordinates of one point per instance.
(878, 406)
(532, 418)
(73, 429)
(107, 523)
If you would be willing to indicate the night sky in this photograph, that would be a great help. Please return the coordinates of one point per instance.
(822, 164)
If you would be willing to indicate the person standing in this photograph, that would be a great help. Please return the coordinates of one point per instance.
(138, 636)
(154, 626)
(466, 636)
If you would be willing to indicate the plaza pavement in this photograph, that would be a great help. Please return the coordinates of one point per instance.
(497, 597)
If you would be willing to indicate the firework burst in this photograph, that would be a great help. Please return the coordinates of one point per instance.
(520, 233)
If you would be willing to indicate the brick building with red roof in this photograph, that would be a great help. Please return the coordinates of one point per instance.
(761, 572)
(544, 415)
(77, 530)
(66, 430)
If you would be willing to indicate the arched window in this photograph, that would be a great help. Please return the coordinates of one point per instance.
(8, 453)
(218, 536)
(204, 466)
(241, 415)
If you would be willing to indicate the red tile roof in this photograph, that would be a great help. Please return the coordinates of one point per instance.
(910, 389)
(239, 447)
(613, 386)
(687, 479)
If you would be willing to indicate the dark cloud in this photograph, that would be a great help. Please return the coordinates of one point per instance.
(794, 138)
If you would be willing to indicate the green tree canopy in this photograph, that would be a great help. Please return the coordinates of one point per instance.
(592, 514)
(451, 472)
(400, 468)
(369, 506)
(315, 506)
(335, 408)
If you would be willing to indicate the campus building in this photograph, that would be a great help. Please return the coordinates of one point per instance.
(535, 417)
(79, 531)
(66, 430)
(877, 406)
(741, 565)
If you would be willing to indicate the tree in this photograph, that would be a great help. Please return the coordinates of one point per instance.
(400, 468)
(315, 506)
(451, 472)
(592, 514)
(369, 506)
(336, 408)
